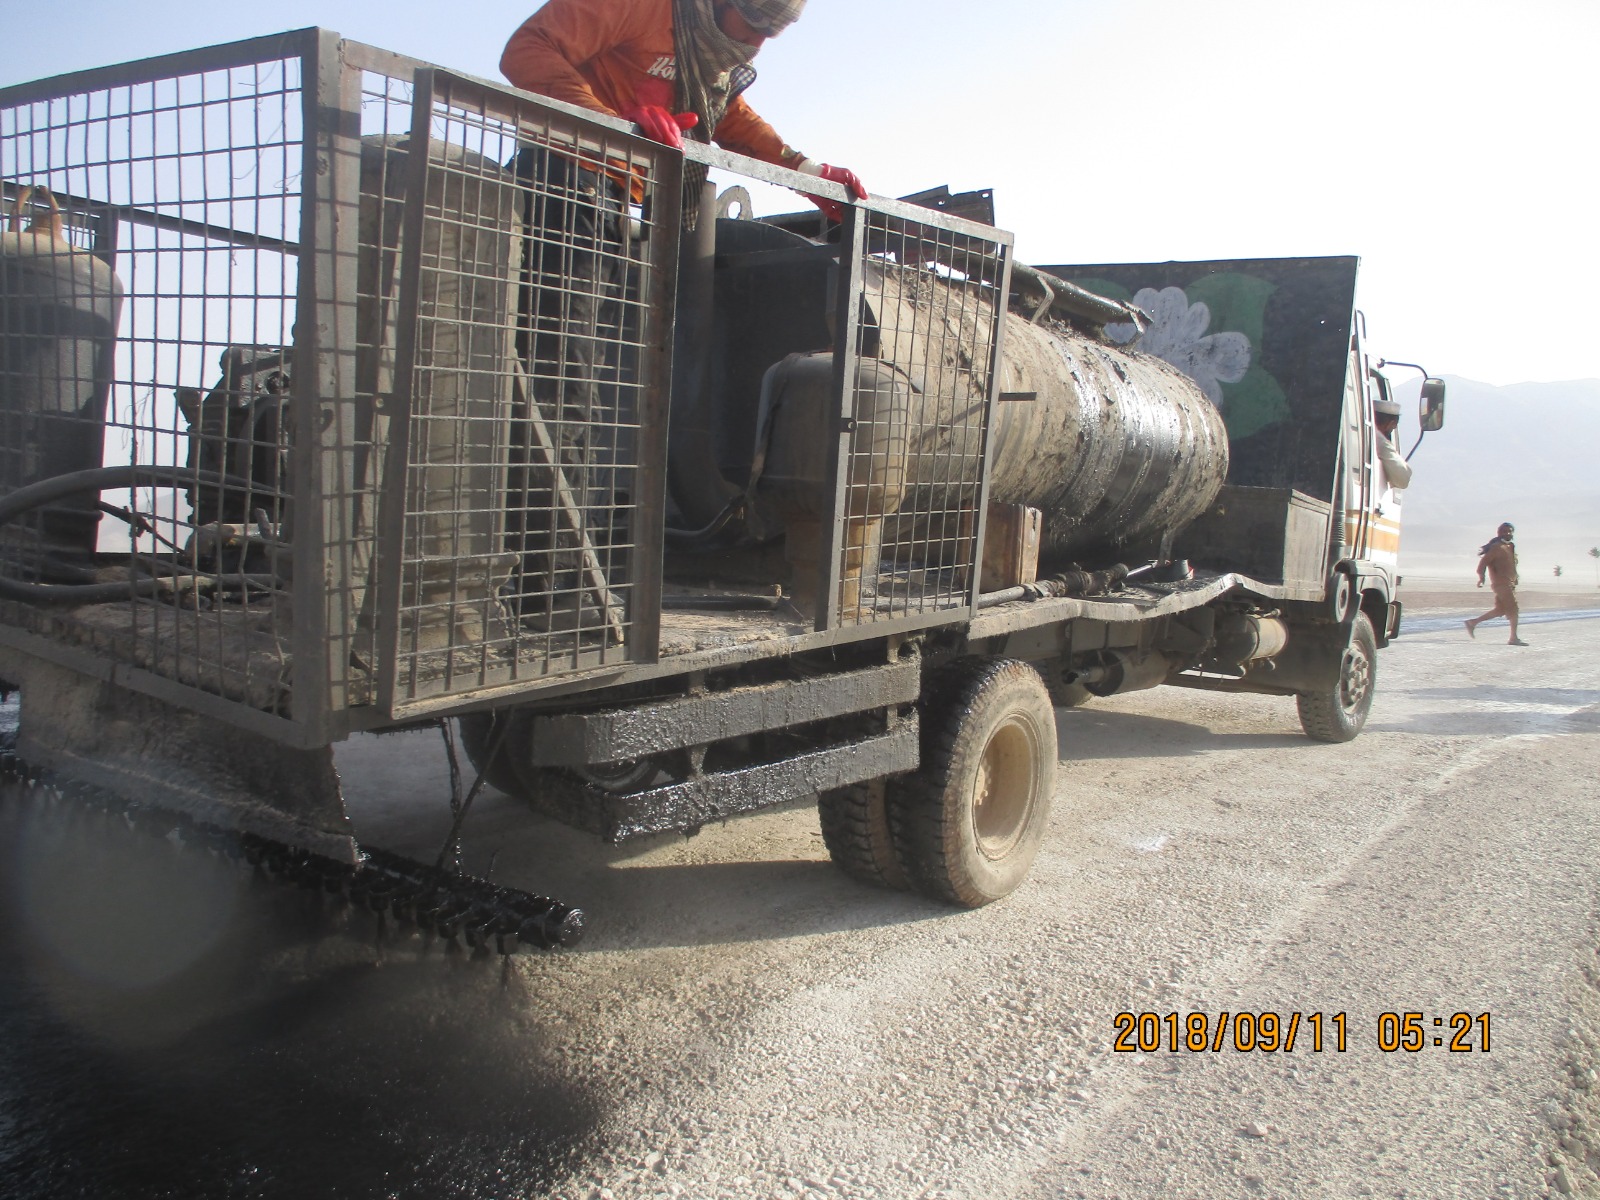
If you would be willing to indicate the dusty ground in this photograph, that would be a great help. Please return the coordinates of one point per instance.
(759, 1026)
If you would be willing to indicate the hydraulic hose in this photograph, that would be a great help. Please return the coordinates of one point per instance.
(704, 537)
(96, 479)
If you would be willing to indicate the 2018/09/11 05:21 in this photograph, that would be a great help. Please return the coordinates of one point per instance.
(1271, 1032)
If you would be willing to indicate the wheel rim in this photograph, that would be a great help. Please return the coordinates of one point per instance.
(1003, 788)
(1355, 680)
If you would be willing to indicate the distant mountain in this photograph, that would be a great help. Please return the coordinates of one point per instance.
(1528, 453)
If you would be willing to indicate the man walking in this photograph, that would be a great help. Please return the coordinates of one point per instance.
(1498, 559)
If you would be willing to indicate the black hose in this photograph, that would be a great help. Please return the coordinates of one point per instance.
(1074, 582)
(96, 479)
(698, 539)
(77, 593)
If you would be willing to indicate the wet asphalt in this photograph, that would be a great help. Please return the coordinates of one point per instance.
(172, 1027)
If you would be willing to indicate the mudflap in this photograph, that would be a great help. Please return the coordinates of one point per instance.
(1311, 661)
(78, 729)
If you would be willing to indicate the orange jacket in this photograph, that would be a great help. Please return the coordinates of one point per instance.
(608, 55)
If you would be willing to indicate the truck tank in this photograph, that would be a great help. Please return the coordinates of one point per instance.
(1116, 447)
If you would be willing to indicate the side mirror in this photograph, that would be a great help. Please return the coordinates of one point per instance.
(1432, 407)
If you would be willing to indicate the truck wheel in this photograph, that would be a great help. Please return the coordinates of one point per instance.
(968, 823)
(855, 828)
(630, 775)
(479, 731)
(1338, 713)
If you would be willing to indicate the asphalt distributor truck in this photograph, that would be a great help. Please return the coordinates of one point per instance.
(339, 396)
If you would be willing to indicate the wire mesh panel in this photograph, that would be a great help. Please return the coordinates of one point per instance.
(148, 279)
(521, 538)
(923, 310)
(244, 328)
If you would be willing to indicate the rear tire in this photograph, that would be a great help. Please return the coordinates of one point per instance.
(1338, 714)
(855, 828)
(549, 791)
(968, 823)
(479, 732)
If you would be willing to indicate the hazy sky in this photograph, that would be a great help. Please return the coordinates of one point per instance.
(1451, 145)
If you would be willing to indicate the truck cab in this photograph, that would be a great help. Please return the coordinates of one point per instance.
(1372, 501)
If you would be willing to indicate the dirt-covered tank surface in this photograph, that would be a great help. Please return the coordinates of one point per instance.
(741, 1021)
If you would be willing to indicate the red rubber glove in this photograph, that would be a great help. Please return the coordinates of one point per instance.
(843, 176)
(659, 125)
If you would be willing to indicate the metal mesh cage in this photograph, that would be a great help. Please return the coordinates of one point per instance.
(924, 304)
(532, 320)
(147, 295)
(357, 451)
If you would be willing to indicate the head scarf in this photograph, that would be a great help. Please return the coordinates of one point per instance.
(1499, 539)
(769, 17)
(713, 69)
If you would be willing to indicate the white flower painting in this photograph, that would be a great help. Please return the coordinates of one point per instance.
(1177, 334)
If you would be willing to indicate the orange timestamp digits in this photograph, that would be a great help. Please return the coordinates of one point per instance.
(1415, 1031)
(1199, 1032)
(1271, 1032)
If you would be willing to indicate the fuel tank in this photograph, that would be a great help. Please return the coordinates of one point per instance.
(59, 307)
(1116, 447)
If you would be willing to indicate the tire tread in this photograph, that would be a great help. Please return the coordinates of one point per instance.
(1321, 716)
(927, 841)
(855, 829)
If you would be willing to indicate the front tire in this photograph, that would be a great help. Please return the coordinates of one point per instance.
(968, 823)
(1337, 714)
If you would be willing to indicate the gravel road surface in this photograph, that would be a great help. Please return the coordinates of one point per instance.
(743, 1021)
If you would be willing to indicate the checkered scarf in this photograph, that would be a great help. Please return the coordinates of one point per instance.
(713, 69)
(770, 17)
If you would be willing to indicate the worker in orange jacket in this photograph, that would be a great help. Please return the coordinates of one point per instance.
(671, 67)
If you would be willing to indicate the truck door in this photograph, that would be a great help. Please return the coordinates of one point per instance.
(1371, 506)
(1383, 537)
(1357, 454)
